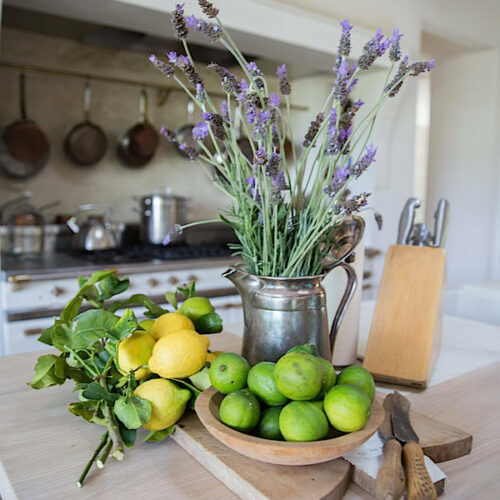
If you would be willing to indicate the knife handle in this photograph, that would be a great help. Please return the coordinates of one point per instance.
(390, 482)
(419, 485)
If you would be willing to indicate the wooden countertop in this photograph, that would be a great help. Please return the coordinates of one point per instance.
(43, 448)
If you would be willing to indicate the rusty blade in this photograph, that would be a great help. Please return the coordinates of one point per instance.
(385, 430)
(401, 424)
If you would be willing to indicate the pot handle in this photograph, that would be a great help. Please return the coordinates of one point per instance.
(22, 95)
(86, 101)
(344, 302)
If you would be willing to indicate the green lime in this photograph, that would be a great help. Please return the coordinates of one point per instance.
(208, 323)
(328, 377)
(303, 421)
(261, 382)
(309, 348)
(196, 307)
(360, 377)
(299, 376)
(269, 425)
(240, 410)
(228, 372)
(347, 407)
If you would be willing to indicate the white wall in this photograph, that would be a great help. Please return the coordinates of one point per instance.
(462, 164)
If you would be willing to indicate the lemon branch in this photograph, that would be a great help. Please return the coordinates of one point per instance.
(100, 446)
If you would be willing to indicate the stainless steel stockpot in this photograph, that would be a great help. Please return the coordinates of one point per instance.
(159, 213)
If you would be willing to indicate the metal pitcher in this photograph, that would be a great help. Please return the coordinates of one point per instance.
(280, 313)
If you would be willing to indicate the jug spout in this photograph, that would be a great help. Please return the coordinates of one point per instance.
(247, 285)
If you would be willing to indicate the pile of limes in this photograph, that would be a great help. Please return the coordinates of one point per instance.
(168, 347)
(298, 398)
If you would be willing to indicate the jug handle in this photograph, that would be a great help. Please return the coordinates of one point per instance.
(344, 302)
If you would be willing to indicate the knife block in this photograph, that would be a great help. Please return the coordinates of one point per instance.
(405, 334)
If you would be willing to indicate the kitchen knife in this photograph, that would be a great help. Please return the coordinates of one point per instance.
(419, 485)
(441, 222)
(406, 220)
(390, 482)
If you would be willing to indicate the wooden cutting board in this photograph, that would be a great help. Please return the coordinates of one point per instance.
(254, 480)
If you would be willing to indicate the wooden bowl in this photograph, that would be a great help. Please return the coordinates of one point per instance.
(281, 452)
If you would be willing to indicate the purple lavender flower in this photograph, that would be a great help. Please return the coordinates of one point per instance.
(250, 114)
(191, 152)
(342, 174)
(345, 38)
(396, 83)
(200, 131)
(216, 124)
(172, 234)
(210, 30)
(169, 134)
(254, 69)
(274, 100)
(395, 50)
(313, 130)
(244, 85)
(172, 57)
(279, 181)
(283, 81)
(179, 21)
(185, 65)
(229, 81)
(332, 123)
(166, 68)
(374, 48)
(224, 110)
(252, 188)
(354, 204)
(378, 220)
(208, 9)
(260, 156)
(340, 91)
(364, 162)
(184, 61)
(273, 164)
(420, 67)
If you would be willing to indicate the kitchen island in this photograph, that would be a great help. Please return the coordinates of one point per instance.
(43, 448)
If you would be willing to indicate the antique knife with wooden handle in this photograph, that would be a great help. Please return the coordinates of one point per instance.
(419, 485)
(390, 482)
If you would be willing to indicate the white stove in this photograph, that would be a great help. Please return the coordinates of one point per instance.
(32, 293)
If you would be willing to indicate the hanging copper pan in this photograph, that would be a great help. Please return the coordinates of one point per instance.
(24, 147)
(86, 142)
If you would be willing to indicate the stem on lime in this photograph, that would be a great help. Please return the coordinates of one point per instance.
(83, 475)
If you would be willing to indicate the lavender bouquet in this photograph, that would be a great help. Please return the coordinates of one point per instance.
(283, 215)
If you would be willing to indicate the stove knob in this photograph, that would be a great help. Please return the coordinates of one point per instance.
(193, 277)
(152, 282)
(173, 280)
(56, 291)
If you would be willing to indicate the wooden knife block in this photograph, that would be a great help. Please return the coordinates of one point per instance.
(405, 334)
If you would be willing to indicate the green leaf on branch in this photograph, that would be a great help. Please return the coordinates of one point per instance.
(188, 291)
(139, 299)
(85, 409)
(99, 393)
(171, 298)
(128, 435)
(125, 326)
(45, 336)
(208, 323)
(132, 411)
(111, 286)
(71, 310)
(90, 326)
(61, 337)
(47, 372)
(155, 436)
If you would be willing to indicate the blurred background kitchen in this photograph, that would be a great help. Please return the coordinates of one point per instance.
(439, 138)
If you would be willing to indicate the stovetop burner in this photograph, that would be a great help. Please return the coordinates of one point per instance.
(147, 253)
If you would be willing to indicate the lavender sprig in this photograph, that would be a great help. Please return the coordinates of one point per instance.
(167, 69)
(208, 9)
(179, 21)
(283, 81)
(210, 30)
(175, 232)
(373, 49)
(313, 130)
(395, 50)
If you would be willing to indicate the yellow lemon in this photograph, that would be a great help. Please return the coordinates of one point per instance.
(193, 332)
(212, 355)
(168, 402)
(133, 352)
(169, 322)
(179, 354)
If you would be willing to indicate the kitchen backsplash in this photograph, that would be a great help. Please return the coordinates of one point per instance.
(55, 104)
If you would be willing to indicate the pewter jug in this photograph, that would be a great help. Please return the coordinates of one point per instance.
(280, 313)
